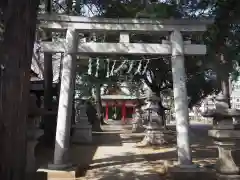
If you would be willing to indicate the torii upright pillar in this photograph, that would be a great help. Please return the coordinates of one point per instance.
(180, 99)
(62, 142)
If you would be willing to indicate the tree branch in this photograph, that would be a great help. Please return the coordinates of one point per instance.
(152, 85)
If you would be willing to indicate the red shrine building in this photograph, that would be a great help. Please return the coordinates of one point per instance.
(119, 106)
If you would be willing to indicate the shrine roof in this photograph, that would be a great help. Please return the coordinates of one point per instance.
(119, 97)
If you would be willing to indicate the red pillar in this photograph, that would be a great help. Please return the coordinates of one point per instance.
(123, 111)
(106, 112)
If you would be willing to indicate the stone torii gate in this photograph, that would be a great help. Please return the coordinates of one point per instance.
(71, 47)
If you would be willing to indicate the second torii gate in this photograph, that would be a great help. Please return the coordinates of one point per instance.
(71, 47)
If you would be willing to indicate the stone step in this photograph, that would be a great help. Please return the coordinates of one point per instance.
(73, 173)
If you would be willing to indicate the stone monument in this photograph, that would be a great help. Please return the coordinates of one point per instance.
(226, 136)
(82, 128)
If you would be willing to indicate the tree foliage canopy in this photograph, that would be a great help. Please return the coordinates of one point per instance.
(222, 37)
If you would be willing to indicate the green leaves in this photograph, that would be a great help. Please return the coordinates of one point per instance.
(223, 36)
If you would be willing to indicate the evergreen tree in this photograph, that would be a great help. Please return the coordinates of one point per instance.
(19, 22)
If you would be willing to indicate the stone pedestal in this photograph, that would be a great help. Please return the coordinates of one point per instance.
(226, 136)
(154, 134)
(227, 142)
(82, 132)
(32, 139)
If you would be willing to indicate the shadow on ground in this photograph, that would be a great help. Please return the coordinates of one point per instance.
(119, 174)
(126, 166)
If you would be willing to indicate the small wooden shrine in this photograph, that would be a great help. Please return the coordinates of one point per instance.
(118, 105)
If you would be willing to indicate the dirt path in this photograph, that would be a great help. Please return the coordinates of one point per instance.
(116, 157)
(113, 156)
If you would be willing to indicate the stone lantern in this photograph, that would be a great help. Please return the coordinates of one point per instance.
(154, 129)
(82, 128)
(226, 136)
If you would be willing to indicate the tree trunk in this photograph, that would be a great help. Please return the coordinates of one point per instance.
(163, 115)
(16, 55)
(69, 7)
(49, 120)
(161, 111)
(225, 88)
(223, 74)
(99, 120)
(99, 103)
